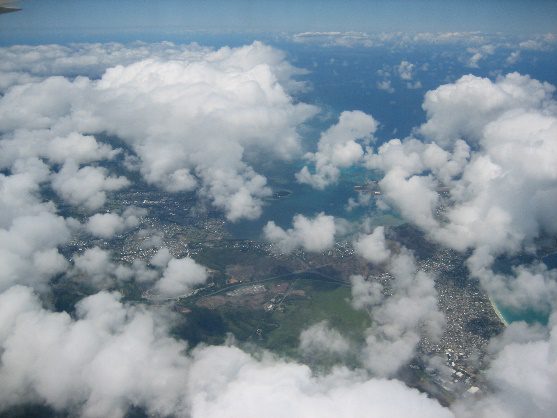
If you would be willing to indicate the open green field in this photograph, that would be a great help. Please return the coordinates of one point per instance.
(308, 300)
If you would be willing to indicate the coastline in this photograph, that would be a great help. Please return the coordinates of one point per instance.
(498, 312)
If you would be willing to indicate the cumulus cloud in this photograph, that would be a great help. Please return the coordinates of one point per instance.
(320, 338)
(106, 225)
(464, 108)
(479, 54)
(24, 63)
(29, 250)
(190, 115)
(85, 187)
(405, 70)
(252, 389)
(524, 377)
(403, 39)
(490, 147)
(399, 319)
(109, 357)
(56, 149)
(314, 235)
(161, 257)
(96, 268)
(500, 134)
(179, 277)
(373, 246)
(530, 288)
(385, 85)
(340, 146)
(346, 39)
(112, 356)
(365, 293)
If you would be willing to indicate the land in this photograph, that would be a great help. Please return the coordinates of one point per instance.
(265, 298)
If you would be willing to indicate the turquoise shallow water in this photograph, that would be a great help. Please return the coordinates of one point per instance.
(307, 201)
(529, 316)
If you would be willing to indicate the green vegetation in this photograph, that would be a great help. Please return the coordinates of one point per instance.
(308, 300)
(323, 301)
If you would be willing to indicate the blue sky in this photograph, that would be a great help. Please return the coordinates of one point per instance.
(44, 18)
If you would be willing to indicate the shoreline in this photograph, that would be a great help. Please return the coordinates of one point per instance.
(498, 312)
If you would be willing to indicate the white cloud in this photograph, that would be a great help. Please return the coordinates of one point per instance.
(513, 58)
(179, 277)
(385, 85)
(192, 115)
(252, 389)
(346, 39)
(161, 257)
(57, 149)
(28, 250)
(109, 357)
(501, 188)
(493, 146)
(405, 70)
(508, 125)
(112, 355)
(85, 187)
(464, 108)
(524, 377)
(365, 293)
(106, 225)
(314, 235)
(398, 319)
(479, 54)
(340, 146)
(373, 246)
(96, 268)
(320, 338)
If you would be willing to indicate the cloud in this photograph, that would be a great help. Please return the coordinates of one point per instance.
(113, 355)
(345, 39)
(479, 54)
(523, 374)
(500, 134)
(313, 235)
(529, 288)
(24, 63)
(395, 39)
(385, 85)
(236, 99)
(372, 246)
(482, 180)
(405, 70)
(161, 257)
(57, 149)
(109, 357)
(179, 278)
(320, 338)
(464, 108)
(95, 268)
(193, 118)
(106, 225)
(85, 187)
(365, 293)
(28, 250)
(513, 58)
(338, 147)
(400, 319)
(253, 389)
